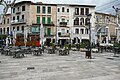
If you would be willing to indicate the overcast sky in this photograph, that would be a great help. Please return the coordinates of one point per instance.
(101, 5)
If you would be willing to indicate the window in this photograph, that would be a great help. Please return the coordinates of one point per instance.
(7, 30)
(4, 21)
(82, 31)
(13, 28)
(18, 18)
(18, 8)
(0, 30)
(13, 10)
(63, 31)
(48, 31)
(23, 8)
(43, 20)
(49, 20)
(67, 20)
(38, 19)
(58, 9)
(86, 21)
(22, 17)
(13, 17)
(17, 28)
(87, 11)
(43, 10)
(4, 30)
(68, 10)
(67, 31)
(76, 21)
(49, 10)
(22, 28)
(77, 31)
(63, 20)
(63, 9)
(35, 29)
(38, 9)
(86, 31)
(8, 21)
(82, 21)
(82, 11)
(76, 11)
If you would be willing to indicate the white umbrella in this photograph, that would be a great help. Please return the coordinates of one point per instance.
(25, 35)
(41, 34)
(14, 36)
(7, 41)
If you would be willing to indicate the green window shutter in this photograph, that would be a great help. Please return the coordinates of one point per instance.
(48, 31)
(38, 20)
(49, 20)
(49, 10)
(43, 10)
(43, 20)
(38, 9)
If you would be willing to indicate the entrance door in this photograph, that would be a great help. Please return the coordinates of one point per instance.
(48, 41)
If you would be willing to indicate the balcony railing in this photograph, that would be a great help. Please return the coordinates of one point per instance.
(21, 21)
(63, 24)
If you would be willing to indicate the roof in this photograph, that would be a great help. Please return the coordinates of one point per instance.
(73, 5)
(32, 3)
(108, 14)
(40, 3)
(23, 2)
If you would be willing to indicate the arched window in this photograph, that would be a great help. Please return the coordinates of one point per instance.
(76, 21)
(82, 31)
(86, 21)
(86, 31)
(82, 21)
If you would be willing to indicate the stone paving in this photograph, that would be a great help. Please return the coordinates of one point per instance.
(103, 66)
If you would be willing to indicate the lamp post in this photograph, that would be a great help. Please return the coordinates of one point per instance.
(117, 24)
(89, 28)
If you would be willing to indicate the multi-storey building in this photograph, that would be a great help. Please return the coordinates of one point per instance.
(32, 15)
(106, 27)
(72, 22)
(69, 21)
(79, 26)
(5, 25)
(63, 23)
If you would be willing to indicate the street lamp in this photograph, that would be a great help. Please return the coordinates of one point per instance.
(89, 28)
(117, 24)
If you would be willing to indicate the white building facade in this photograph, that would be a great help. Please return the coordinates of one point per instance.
(79, 26)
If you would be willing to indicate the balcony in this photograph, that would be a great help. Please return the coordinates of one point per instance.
(18, 12)
(22, 21)
(63, 24)
(64, 35)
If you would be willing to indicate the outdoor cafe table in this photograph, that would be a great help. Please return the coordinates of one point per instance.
(63, 51)
(18, 53)
(36, 51)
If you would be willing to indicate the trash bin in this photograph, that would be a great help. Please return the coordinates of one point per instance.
(88, 54)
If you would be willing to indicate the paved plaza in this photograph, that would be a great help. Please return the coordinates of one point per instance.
(103, 66)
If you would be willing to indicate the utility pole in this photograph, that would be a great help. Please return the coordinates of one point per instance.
(117, 24)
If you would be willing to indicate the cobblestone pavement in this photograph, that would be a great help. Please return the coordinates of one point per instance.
(103, 66)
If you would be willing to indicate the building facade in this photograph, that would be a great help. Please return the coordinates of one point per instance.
(28, 15)
(79, 26)
(63, 23)
(106, 27)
